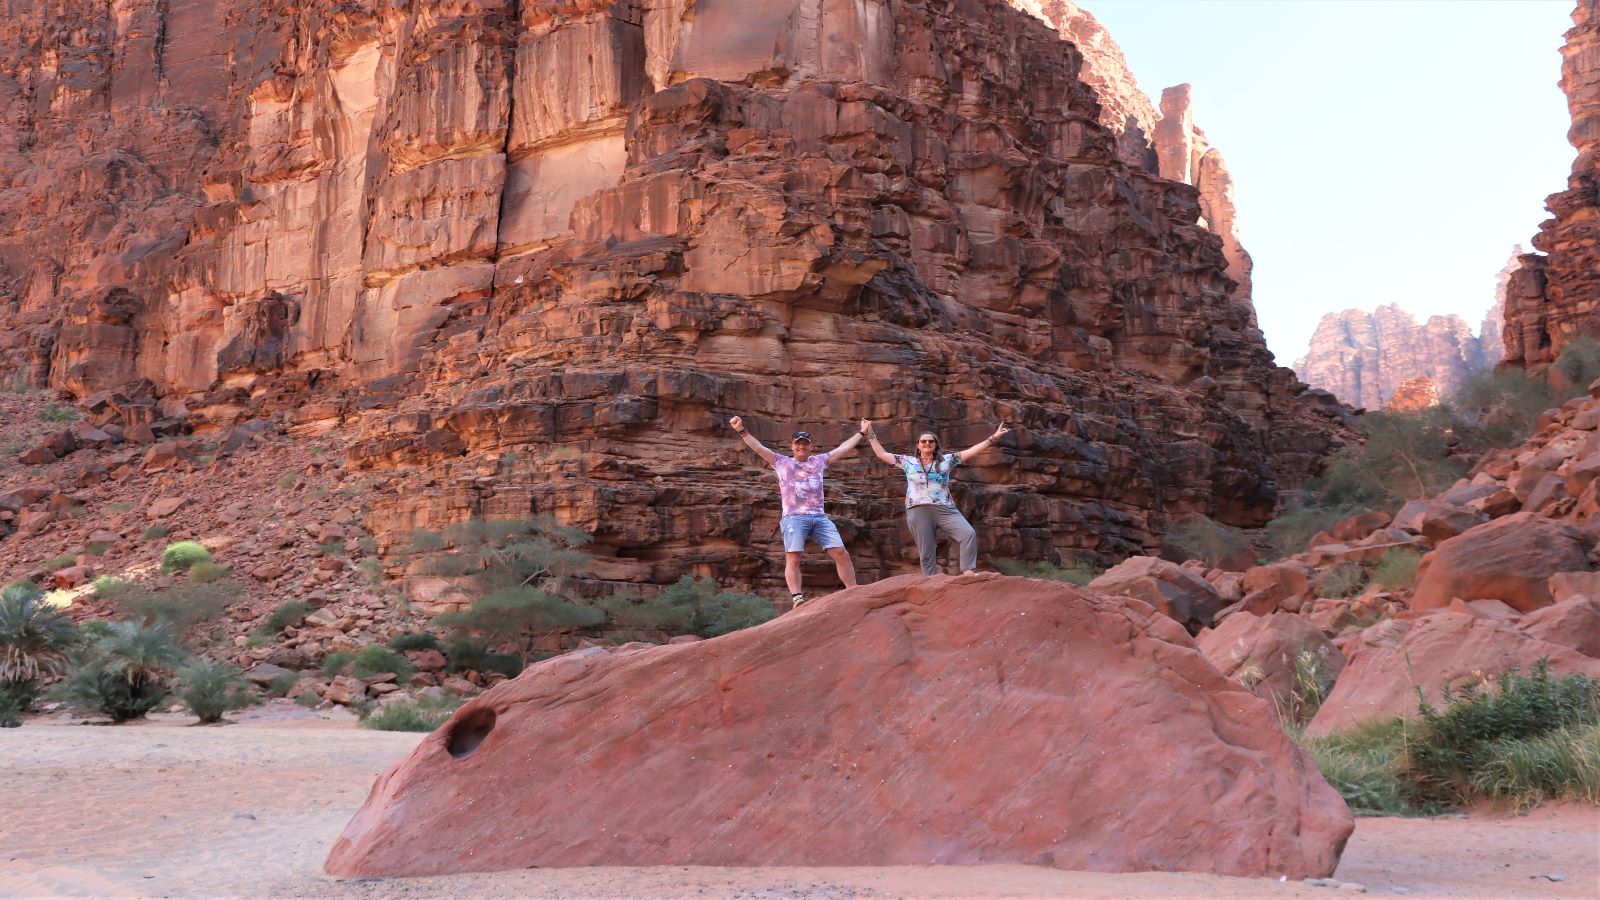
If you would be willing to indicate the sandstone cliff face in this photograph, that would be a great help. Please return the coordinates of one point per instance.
(1555, 295)
(529, 257)
(1363, 358)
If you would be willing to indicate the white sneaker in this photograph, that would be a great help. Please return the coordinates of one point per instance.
(796, 600)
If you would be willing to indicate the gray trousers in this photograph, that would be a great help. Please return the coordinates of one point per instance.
(927, 521)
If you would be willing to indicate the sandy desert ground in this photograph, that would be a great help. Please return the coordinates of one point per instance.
(165, 810)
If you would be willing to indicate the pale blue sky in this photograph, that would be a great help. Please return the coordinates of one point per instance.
(1382, 152)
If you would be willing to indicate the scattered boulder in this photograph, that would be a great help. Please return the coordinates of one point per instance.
(1573, 622)
(1168, 587)
(1260, 652)
(1286, 585)
(1441, 521)
(968, 720)
(1510, 558)
(1393, 658)
(261, 674)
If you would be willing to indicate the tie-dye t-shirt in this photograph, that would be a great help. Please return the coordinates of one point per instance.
(928, 484)
(800, 483)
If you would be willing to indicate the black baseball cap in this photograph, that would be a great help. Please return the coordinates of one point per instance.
(801, 436)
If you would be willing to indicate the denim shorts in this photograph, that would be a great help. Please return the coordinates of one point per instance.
(798, 529)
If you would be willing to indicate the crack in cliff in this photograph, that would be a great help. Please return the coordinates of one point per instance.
(514, 14)
(161, 43)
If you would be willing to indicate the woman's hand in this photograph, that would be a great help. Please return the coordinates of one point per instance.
(866, 427)
(1000, 432)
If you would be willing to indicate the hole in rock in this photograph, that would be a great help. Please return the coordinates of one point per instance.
(469, 732)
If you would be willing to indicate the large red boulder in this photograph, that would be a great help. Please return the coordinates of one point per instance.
(1509, 559)
(977, 719)
(1391, 661)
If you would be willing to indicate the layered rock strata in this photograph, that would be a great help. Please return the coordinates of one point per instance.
(528, 258)
(912, 721)
(1555, 295)
(1364, 358)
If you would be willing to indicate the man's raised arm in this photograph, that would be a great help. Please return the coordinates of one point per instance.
(844, 449)
(737, 424)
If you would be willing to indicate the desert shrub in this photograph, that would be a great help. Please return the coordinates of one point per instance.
(10, 711)
(288, 480)
(691, 606)
(1343, 580)
(180, 557)
(1071, 571)
(1500, 408)
(1363, 766)
(1397, 570)
(211, 687)
(181, 605)
(205, 572)
(54, 412)
(154, 532)
(1405, 456)
(1578, 365)
(280, 685)
(108, 586)
(34, 640)
(335, 663)
(375, 659)
(1476, 732)
(308, 700)
(123, 674)
(331, 548)
(1201, 538)
(414, 640)
(1289, 533)
(1562, 764)
(96, 548)
(119, 507)
(1309, 687)
(422, 714)
(508, 664)
(62, 561)
(284, 616)
(371, 571)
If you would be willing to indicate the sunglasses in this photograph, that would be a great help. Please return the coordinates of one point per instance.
(926, 441)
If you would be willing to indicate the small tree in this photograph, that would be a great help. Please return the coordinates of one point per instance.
(522, 617)
(124, 673)
(34, 640)
(212, 687)
(691, 606)
(181, 605)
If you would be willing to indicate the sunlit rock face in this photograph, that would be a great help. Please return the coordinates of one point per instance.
(1363, 358)
(533, 255)
(1554, 297)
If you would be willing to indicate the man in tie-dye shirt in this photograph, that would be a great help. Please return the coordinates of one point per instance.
(800, 486)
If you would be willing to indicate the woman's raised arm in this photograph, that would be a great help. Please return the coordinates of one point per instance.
(983, 445)
(877, 448)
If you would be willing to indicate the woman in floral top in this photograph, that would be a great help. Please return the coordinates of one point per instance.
(929, 509)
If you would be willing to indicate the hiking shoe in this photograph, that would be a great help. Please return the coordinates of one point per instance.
(796, 600)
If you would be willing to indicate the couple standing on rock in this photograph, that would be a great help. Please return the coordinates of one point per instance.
(929, 509)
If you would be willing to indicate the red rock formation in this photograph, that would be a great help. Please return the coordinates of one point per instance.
(910, 721)
(1491, 334)
(1364, 357)
(528, 258)
(1555, 297)
(1413, 394)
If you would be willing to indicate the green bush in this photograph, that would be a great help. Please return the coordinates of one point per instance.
(154, 532)
(309, 700)
(181, 556)
(34, 640)
(507, 664)
(10, 710)
(285, 615)
(424, 714)
(1343, 580)
(54, 412)
(212, 687)
(1472, 736)
(1291, 532)
(119, 507)
(521, 617)
(108, 586)
(415, 640)
(691, 606)
(1397, 570)
(1563, 764)
(62, 561)
(123, 674)
(1363, 766)
(1578, 365)
(280, 685)
(96, 548)
(1500, 407)
(335, 663)
(1073, 571)
(375, 659)
(1201, 538)
(205, 572)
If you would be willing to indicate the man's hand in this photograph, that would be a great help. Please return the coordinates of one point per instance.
(736, 423)
(866, 427)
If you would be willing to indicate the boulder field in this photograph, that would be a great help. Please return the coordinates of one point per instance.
(966, 720)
